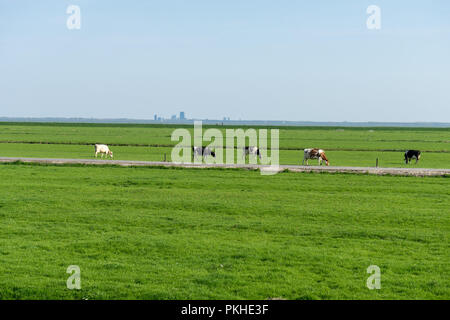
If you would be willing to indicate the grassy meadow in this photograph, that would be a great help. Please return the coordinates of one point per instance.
(158, 233)
(153, 233)
(343, 146)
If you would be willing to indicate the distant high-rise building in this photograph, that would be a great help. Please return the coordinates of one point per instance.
(155, 117)
(174, 117)
(182, 115)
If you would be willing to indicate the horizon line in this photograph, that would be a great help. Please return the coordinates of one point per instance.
(218, 121)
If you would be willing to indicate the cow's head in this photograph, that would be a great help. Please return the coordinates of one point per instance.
(324, 157)
(111, 153)
(213, 154)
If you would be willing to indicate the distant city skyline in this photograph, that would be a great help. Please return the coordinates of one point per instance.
(253, 59)
(228, 121)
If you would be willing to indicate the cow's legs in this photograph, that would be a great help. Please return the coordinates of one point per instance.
(195, 156)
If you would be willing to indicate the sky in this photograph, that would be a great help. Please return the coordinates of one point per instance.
(243, 59)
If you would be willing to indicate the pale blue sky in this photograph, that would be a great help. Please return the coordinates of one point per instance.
(248, 59)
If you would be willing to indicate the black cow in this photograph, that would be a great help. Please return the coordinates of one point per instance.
(409, 154)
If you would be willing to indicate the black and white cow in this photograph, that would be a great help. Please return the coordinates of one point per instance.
(410, 154)
(254, 151)
(203, 152)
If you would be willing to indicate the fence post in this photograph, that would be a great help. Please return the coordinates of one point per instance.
(377, 163)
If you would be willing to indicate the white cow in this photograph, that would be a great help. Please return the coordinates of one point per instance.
(103, 149)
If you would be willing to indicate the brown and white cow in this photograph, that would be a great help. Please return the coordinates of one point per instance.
(315, 154)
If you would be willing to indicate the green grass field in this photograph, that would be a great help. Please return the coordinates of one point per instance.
(155, 233)
(152, 233)
(343, 146)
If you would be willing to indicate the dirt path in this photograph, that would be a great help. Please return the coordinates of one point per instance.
(292, 168)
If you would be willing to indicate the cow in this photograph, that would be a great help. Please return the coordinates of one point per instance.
(103, 149)
(409, 154)
(314, 154)
(254, 151)
(202, 151)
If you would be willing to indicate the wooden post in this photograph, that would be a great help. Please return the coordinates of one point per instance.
(377, 163)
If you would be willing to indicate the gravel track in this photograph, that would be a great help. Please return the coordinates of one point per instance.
(292, 168)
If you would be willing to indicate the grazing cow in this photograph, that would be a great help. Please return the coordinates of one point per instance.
(254, 151)
(202, 151)
(409, 154)
(314, 154)
(103, 149)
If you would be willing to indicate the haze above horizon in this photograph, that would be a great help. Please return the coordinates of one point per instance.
(285, 60)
